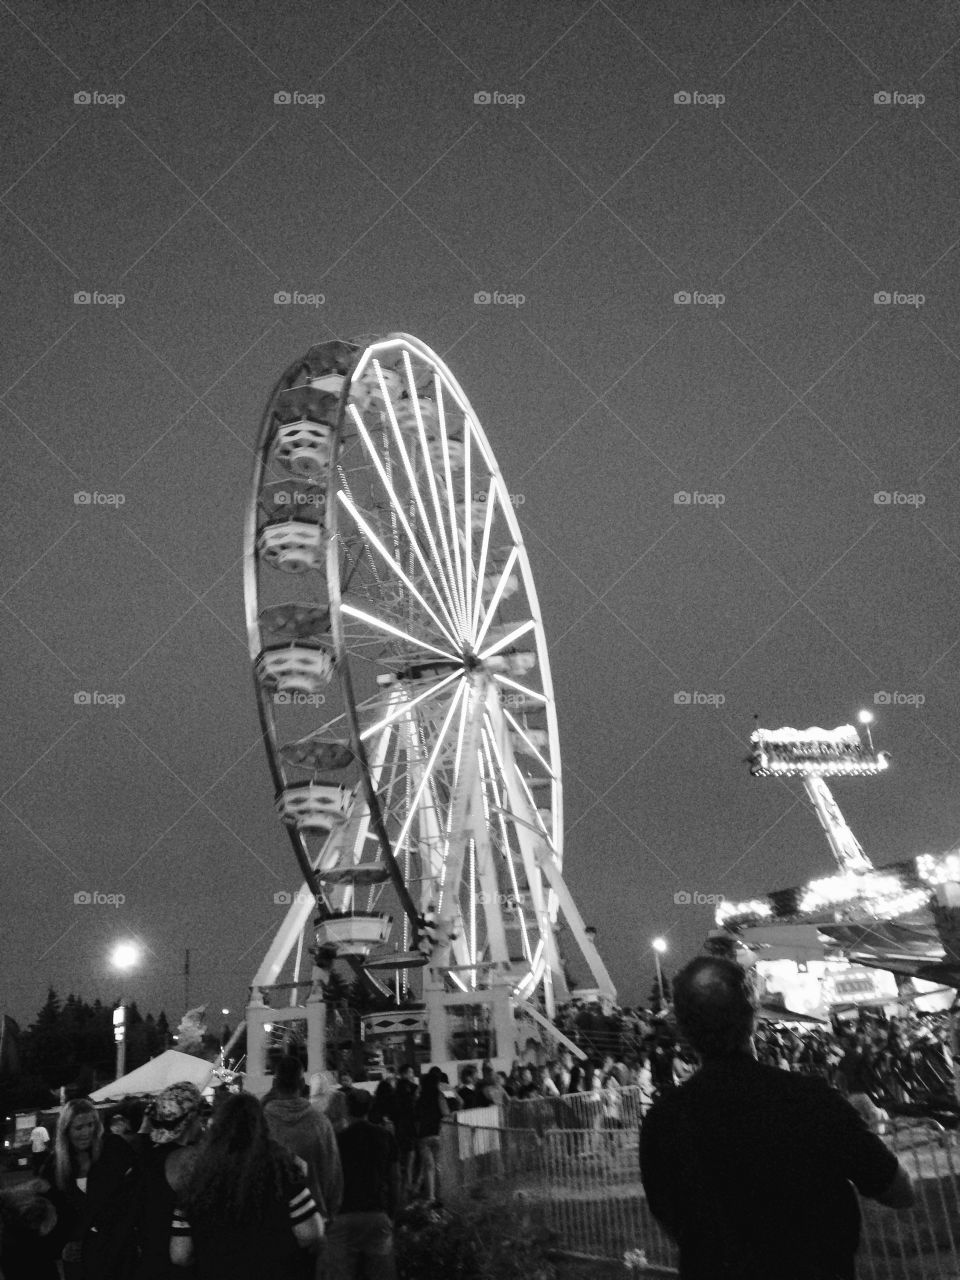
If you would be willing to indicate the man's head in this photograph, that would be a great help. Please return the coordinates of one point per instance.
(407, 1072)
(345, 1079)
(468, 1076)
(358, 1104)
(288, 1076)
(714, 1006)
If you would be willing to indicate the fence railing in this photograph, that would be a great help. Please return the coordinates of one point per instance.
(583, 1185)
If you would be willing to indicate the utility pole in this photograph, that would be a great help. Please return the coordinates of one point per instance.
(186, 980)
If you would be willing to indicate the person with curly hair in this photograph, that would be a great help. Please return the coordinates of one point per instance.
(247, 1212)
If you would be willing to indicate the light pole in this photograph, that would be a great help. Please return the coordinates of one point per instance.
(659, 946)
(124, 957)
(866, 719)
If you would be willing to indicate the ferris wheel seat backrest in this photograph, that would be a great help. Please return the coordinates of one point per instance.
(308, 403)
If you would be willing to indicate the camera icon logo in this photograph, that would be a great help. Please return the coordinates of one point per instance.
(282, 98)
(81, 698)
(683, 298)
(882, 699)
(282, 899)
(882, 299)
(82, 898)
(82, 98)
(882, 98)
(882, 498)
(682, 99)
(81, 498)
(682, 698)
(681, 498)
(482, 298)
(81, 297)
(283, 298)
(682, 898)
(482, 99)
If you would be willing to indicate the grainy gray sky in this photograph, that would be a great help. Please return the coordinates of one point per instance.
(782, 197)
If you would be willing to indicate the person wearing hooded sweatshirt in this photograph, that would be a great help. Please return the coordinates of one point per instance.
(307, 1133)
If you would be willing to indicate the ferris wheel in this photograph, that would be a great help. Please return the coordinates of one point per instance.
(402, 680)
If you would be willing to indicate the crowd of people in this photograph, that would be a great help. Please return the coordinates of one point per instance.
(897, 1062)
(239, 1190)
(310, 1179)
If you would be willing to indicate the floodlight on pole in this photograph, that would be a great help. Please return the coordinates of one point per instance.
(866, 719)
(659, 946)
(125, 956)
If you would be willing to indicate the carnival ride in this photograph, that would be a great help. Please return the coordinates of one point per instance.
(835, 929)
(407, 709)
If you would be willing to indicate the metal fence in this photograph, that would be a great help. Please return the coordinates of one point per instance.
(583, 1185)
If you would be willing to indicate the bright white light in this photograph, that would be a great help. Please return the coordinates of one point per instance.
(224, 1011)
(659, 944)
(124, 956)
(865, 717)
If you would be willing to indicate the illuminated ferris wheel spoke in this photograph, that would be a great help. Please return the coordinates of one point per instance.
(522, 734)
(406, 706)
(496, 597)
(451, 501)
(389, 560)
(527, 692)
(431, 762)
(379, 624)
(467, 524)
(491, 499)
(396, 508)
(505, 641)
(418, 498)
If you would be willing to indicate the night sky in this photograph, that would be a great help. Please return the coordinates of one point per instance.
(783, 399)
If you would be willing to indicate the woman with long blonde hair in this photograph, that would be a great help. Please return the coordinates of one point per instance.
(93, 1186)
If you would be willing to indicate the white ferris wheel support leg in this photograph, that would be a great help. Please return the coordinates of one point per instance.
(466, 776)
(575, 921)
(528, 837)
(487, 875)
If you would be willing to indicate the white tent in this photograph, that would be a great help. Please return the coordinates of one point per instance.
(167, 1068)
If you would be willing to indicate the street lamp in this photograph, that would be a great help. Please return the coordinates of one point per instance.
(866, 719)
(659, 946)
(124, 957)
